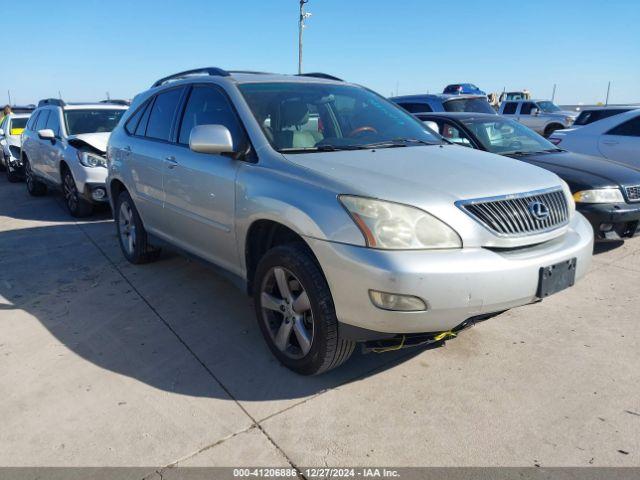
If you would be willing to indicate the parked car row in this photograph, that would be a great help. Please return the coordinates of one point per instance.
(346, 218)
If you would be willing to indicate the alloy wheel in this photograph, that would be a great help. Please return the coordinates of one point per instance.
(127, 228)
(70, 192)
(286, 310)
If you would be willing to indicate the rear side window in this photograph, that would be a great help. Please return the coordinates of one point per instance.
(416, 107)
(479, 105)
(42, 120)
(208, 106)
(133, 122)
(590, 116)
(31, 124)
(630, 128)
(141, 129)
(163, 113)
(509, 108)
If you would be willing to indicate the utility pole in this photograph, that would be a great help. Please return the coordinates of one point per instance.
(553, 95)
(303, 16)
(606, 102)
(9, 94)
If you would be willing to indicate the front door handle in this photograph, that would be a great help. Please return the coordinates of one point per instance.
(610, 142)
(171, 161)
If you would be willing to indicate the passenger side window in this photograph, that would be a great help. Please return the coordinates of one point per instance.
(416, 107)
(454, 134)
(54, 123)
(630, 128)
(42, 120)
(162, 114)
(525, 109)
(509, 108)
(208, 106)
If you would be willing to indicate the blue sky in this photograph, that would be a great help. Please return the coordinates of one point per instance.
(84, 48)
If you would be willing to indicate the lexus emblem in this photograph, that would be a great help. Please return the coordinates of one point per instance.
(539, 210)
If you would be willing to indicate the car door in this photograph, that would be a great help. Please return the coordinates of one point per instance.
(148, 146)
(40, 147)
(622, 143)
(200, 188)
(52, 149)
(526, 117)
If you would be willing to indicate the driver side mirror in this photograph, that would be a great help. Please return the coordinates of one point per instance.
(430, 124)
(46, 134)
(1, 132)
(535, 111)
(212, 139)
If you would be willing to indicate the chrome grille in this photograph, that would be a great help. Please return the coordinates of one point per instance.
(633, 193)
(513, 215)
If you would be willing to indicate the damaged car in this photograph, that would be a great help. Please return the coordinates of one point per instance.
(64, 146)
(11, 130)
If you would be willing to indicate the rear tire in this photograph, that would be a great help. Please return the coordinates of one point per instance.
(34, 186)
(78, 207)
(311, 342)
(132, 235)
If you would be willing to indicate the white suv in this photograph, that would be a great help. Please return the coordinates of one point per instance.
(64, 145)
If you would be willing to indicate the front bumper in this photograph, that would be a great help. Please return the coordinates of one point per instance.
(456, 284)
(612, 221)
(89, 180)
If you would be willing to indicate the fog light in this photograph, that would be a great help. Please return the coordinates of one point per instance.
(397, 302)
(606, 227)
(98, 194)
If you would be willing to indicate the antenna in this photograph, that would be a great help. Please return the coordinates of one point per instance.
(301, 25)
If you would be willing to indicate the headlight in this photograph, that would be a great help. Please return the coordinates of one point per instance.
(601, 195)
(569, 119)
(92, 160)
(393, 226)
(571, 203)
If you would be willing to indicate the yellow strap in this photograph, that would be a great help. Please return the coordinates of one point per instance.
(444, 336)
(17, 131)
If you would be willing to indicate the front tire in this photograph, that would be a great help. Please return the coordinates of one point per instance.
(132, 235)
(552, 128)
(78, 207)
(12, 176)
(34, 186)
(295, 312)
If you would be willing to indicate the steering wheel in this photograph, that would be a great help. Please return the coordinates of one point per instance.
(516, 144)
(359, 130)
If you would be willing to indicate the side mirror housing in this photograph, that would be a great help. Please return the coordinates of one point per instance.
(430, 124)
(212, 139)
(46, 134)
(1, 132)
(535, 111)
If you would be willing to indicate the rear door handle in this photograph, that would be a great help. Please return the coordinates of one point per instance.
(171, 161)
(610, 142)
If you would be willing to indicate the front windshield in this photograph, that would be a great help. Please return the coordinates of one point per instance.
(303, 117)
(548, 107)
(91, 121)
(506, 136)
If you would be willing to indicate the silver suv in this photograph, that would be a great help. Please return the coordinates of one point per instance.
(543, 116)
(64, 146)
(347, 220)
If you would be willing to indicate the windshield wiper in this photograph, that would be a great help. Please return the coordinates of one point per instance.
(320, 148)
(396, 142)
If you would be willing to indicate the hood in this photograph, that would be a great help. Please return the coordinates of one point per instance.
(97, 141)
(585, 171)
(429, 177)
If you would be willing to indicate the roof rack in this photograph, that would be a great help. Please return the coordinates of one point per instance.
(211, 71)
(51, 101)
(326, 76)
(249, 72)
